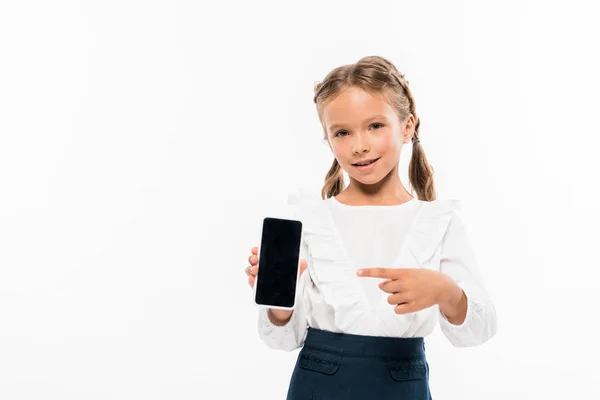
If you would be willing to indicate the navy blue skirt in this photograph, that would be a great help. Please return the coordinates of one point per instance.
(343, 366)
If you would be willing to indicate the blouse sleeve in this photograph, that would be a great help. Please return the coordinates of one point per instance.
(459, 262)
(291, 335)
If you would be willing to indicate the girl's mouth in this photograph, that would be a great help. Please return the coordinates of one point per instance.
(366, 166)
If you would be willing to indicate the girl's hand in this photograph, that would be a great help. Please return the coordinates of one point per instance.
(277, 317)
(414, 289)
(252, 269)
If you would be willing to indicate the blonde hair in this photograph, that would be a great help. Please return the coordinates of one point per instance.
(376, 74)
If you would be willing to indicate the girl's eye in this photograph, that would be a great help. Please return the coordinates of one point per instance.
(341, 133)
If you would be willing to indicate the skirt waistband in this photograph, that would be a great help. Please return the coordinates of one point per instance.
(366, 346)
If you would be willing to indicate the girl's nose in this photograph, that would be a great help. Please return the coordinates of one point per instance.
(360, 144)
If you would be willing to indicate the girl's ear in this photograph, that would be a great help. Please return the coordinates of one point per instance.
(409, 129)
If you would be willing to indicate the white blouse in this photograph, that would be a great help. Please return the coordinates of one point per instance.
(338, 239)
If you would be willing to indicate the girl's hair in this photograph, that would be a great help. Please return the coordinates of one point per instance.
(376, 75)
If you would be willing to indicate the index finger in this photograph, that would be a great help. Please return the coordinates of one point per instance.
(389, 273)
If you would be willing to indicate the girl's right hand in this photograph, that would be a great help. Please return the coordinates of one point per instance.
(281, 316)
(252, 269)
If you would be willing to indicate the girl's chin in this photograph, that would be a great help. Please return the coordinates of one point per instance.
(366, 180)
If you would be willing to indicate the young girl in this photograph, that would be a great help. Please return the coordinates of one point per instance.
(383, 267)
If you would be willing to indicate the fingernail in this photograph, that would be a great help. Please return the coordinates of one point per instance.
(359, 272)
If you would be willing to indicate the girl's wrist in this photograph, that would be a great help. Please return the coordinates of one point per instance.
(279, 317)
(453, 302)
(450, 296)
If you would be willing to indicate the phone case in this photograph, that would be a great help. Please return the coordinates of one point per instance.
(297, 267)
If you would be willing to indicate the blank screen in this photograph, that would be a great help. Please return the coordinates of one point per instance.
(278, 262)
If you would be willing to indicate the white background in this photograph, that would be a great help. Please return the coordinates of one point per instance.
(142, 142)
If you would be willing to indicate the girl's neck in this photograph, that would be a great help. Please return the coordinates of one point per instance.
(381, 193)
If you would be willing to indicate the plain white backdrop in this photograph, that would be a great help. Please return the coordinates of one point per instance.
(142, 143)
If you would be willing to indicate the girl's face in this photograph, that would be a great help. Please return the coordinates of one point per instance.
(362, 127)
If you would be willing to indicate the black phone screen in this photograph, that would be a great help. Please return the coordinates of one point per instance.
(278, 262)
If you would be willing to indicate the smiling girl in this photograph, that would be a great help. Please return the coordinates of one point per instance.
(383, 267)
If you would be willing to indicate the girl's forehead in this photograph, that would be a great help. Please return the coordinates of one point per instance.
(355, 103)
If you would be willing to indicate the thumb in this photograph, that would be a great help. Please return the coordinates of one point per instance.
(303, 265)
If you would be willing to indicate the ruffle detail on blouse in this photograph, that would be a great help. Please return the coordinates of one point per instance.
(423, 241)
(330, 268)
(333, 272)
(430, 226)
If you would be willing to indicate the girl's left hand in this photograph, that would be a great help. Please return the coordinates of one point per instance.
(412, 289)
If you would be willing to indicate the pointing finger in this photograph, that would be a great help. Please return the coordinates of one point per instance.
(389, 273)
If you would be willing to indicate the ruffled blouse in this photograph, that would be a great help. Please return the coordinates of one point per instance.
(330, 295)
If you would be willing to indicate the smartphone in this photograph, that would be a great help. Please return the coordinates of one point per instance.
(278, 263)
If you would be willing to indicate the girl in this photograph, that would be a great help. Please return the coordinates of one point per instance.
(383, 267)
